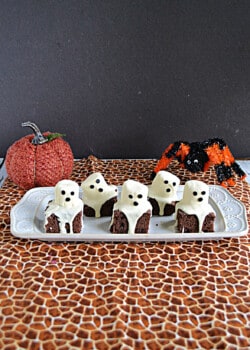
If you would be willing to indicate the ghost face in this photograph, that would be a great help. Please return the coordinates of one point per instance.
(66, 193)
(165, 184)
(133, 193)
(196, 193)
(95, 186)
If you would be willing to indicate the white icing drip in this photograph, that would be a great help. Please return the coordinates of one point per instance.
(65, 215)
(164, 189)
(96, 192)
(133, 192)
(195, 201)
(162, 204)
(66, 204)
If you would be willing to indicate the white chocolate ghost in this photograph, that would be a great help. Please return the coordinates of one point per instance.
(66, 204)
(67, 193)
(164, 189)
(96, 192)
(133, 202)
(195, 201)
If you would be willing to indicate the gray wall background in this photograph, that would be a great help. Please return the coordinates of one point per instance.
(125, 78)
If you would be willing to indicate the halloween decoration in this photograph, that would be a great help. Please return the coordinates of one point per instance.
(199, 156)
(63, 214)
(40, 160)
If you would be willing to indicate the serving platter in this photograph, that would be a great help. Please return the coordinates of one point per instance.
(27, 220)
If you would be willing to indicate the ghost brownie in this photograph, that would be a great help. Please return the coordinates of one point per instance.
(162, 193)
(98, 196)
(64, 213)
(193, 212)
(132, 212)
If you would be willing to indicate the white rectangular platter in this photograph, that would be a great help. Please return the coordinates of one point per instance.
(27, 220)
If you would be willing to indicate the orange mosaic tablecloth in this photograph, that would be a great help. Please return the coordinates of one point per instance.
(180, 295)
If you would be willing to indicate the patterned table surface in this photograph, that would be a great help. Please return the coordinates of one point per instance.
(175, 295)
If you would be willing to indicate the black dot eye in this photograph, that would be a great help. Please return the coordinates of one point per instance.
(91, 186)
(130, 196)
(166, 182)
(72, 193)
(100, 189)
(195, 193)
(196, 161)
(97, 181)
(139, 196)
(174, 183)
(203, 193)
(63, 192)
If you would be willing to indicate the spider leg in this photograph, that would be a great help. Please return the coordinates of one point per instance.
(224, 162)
(237, 169)
(172, 151)
(224, 175)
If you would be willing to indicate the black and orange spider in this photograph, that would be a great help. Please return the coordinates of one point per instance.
(199, 156)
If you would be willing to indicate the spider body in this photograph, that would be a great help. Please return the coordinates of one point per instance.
(199, 156)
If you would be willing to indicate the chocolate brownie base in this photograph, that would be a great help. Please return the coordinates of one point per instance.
(169, 208)
(106, 209)
(190, 223)
(52, 225)
(120, 223)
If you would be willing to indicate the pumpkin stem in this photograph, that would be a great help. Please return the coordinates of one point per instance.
(39, 138)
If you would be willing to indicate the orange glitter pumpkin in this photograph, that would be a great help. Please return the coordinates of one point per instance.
(39, 161)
